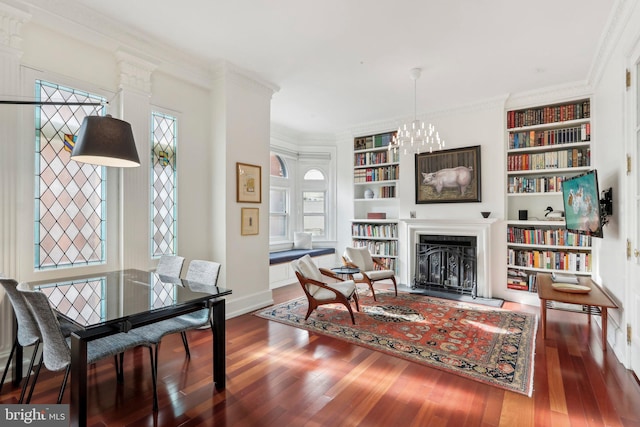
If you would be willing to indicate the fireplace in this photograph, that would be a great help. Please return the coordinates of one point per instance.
(446, 263)
(451, 229)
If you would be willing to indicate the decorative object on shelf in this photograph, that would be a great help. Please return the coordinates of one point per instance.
(523, 214)
(368, 193)
(248, 183)
(552, 214)
(376, 215)
(250, 218)
(448, 176)
(416, 137)
(485, 214)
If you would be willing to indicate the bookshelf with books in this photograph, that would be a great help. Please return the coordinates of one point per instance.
(545, 146)
(376, 171)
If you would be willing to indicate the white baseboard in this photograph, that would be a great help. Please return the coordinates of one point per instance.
(247, 304)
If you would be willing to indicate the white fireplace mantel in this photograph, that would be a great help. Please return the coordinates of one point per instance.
(478, 228)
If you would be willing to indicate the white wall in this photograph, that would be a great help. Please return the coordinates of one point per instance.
(610, 125)
(481, 124)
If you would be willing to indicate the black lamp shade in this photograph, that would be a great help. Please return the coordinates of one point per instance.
(105, 141)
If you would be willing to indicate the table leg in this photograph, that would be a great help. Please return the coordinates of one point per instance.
(17, 366)
(219, 345)
(543, 317)
(78, 407)
(604, 328)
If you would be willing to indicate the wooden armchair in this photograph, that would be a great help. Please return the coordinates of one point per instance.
(361, 258)
(319, 292)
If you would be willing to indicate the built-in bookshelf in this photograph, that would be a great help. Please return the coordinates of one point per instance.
(376, 171)
(545, 146)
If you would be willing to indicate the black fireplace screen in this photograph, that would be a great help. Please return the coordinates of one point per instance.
(446, 264)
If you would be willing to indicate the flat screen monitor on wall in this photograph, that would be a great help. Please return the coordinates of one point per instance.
(582, 210)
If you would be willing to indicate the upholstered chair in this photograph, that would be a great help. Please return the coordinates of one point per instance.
(56, 351)
(170, 265)
(202, 274)
(319, 292)
(371, 269)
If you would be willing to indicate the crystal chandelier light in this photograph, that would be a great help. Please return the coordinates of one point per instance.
(416, 137)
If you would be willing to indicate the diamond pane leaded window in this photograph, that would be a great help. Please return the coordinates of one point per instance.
(82, 301)
(163, 180)
(70, 200)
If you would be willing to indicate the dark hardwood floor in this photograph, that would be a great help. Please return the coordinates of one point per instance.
(282, 376)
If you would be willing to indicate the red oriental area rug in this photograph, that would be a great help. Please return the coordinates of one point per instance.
(486, 344)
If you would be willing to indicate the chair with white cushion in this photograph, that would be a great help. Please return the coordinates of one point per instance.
(361, 259)
(319, 292)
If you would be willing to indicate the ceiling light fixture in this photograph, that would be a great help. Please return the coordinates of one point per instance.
(102, 140)
(105, 141)
(416, 137)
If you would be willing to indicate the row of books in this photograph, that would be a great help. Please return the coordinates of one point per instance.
(384, 173)
(549, 114)
(387, 192)
(557, 260)
(551, 236)
(374, 230)
(373, 141)
(521, 281)
(541, 138)
(377, 247)
(375, 158)
(572, 158)
(526, 184)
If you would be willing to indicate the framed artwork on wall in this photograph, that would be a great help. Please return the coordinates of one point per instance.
(249, 224)
(448, 176)
(248, 183)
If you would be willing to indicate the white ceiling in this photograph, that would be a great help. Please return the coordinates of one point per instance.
(345, 63)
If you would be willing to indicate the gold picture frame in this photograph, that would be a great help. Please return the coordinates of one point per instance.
(250, 221)
(248, 183)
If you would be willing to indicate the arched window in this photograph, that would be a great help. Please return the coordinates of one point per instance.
(278, 167)
(280, 189)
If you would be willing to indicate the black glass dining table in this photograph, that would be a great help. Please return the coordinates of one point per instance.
(107, 303)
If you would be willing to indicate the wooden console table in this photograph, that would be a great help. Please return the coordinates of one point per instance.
(596, 298)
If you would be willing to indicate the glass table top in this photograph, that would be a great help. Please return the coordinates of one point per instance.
(99, 298)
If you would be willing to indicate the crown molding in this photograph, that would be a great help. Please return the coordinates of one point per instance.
(394, 123)
(558, 93)
(79, 22)
(11, 21)
(609, 38)
(226, 70)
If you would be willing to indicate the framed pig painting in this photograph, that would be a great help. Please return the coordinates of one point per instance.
(448, 176)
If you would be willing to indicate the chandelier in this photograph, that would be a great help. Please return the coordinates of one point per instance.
(416, 137)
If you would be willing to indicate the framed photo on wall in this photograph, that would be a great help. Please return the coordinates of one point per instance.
(448, 176)
(248, 183)
(250, 221)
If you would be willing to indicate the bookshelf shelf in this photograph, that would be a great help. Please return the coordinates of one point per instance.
(376, 172)
(546, 145)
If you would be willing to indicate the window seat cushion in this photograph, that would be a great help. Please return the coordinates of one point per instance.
(286, 256)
